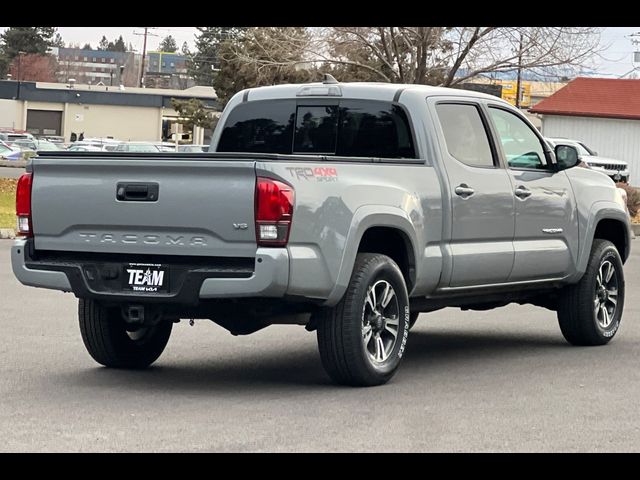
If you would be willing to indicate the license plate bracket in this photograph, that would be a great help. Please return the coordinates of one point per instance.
(145, 278)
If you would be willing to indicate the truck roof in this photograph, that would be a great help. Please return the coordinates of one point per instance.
(366, 90)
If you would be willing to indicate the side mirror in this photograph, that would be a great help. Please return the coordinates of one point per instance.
(567, 156)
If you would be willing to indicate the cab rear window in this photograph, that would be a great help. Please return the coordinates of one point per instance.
(349, 128)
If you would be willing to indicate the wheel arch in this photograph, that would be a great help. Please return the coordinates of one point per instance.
(608, 221)
(370, 224)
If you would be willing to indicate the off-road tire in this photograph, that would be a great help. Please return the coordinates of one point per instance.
(577, 306)
(341, 329)
(107, 340)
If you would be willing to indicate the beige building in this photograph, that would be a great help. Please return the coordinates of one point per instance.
(138, 114)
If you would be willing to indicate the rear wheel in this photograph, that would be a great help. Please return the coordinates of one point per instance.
(413, 318)
(113, 343)
(362, 339)
(590, 311)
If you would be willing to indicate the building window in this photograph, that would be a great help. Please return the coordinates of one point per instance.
(112, 60)
(93, 59)
(104, 60)
(173, 65)
(85, 59)
(164, 64)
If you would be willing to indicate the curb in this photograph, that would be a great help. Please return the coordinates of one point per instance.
(635, 229)
(7, 233)
(13, 164)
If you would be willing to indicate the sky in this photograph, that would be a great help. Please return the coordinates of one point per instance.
(616, 61)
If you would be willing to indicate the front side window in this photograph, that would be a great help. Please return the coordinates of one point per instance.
(520, 145)
(464, 134)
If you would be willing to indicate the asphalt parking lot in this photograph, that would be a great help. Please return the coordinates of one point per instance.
(500, 380)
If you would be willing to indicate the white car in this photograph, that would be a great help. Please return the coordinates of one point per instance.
(618, 170)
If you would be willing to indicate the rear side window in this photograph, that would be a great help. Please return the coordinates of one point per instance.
(465, 134)
(354, 128)
(374, 129)
(259, 127)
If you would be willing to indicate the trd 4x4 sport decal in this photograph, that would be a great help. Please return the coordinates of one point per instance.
(320, 174)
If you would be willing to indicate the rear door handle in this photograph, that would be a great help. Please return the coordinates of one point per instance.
(522, 192)
(464, 190)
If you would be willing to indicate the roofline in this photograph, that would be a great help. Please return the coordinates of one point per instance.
(586, 114)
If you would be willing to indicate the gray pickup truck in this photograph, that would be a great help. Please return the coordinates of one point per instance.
(348, 208)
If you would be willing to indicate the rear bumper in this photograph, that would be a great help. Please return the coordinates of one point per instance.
(269, 277)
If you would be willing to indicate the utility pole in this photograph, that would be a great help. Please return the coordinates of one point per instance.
(518, 81)
(144, 52)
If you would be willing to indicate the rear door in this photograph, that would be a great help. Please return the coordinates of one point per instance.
(481, 197)
(146, 204)
(546, 228)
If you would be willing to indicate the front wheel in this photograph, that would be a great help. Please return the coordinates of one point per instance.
(110, 343)
(590, 311)
(363, 338)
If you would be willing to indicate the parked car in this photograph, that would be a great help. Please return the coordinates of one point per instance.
(25, 144)
(85, 148)
(9, 153)
(137, 147)
(47, 146)
(348, 208)
(166, 146)
(193, 148)
(10, 136)
(58, 140)
(618, 170)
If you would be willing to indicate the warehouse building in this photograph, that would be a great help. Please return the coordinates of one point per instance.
(129, 114)
(603, 113)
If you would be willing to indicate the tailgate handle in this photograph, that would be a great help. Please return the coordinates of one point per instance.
(137, 192)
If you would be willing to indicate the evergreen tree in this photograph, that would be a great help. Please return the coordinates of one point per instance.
(185, 49)
(203, 64)
(23, 39)
(168, 44)
(103, 44)
(118, 45)
(58, 41)
(26, 39)
(87, 46)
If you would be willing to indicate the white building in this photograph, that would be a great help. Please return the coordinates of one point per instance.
(600, 112)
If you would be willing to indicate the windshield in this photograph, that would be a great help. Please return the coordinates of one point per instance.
(583, 148)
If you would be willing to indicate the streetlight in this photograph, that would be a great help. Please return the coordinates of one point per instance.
(20, 53)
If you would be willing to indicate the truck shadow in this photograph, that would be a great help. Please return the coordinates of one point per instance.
(427, 352)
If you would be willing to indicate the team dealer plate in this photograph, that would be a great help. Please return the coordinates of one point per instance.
(146, 278)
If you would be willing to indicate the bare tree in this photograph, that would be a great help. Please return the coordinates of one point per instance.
(262, 56)
(429, 55)
(34, 67)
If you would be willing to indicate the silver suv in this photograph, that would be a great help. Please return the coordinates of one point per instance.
(618, 170)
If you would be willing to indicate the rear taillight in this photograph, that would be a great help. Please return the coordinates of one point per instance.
(274, 209)
(23, 205)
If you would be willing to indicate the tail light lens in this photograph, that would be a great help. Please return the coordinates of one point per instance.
(274, 210)
(23, 205)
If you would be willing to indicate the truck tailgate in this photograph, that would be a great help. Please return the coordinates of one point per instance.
(202, 207)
